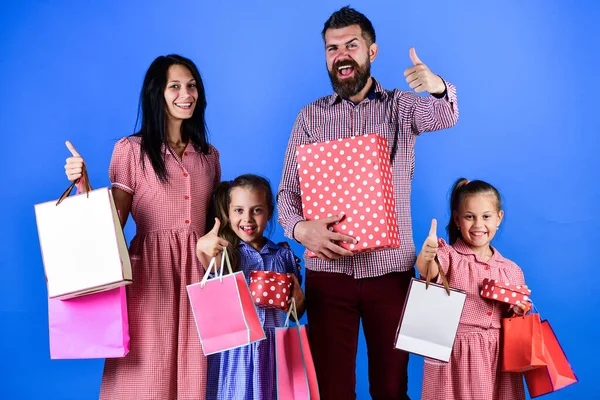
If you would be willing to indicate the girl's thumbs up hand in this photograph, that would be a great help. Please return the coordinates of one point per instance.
(430, 245)
(211, 244)
(74, 164)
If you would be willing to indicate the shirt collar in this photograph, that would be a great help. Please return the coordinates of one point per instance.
(376, 89)
(189, 148)
(461, 247)
(269, 246)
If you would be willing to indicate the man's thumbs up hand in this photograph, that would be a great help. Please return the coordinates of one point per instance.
(420, 78)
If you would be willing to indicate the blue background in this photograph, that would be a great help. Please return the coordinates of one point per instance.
(526, 73)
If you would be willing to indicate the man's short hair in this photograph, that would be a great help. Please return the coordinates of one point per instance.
(347, 16)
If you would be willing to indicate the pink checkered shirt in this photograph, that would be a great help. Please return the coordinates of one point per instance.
(397, 115)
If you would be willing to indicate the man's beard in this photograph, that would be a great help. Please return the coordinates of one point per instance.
(349, 87)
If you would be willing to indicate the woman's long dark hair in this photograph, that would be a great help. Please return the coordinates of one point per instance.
(152, 112)
(223, 200)
(461, 189)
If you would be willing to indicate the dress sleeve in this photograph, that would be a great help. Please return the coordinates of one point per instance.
(217, 166)
(518, 276)
(123, 166)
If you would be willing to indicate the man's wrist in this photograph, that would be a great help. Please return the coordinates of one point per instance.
(444, 92)
(294, 234)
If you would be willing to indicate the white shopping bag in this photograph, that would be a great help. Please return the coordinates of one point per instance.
(430, 319)
(83, 246)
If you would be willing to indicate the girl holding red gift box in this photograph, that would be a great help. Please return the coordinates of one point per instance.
(473, 371)
(244, 206)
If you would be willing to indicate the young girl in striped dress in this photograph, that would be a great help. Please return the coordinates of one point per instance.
(244, 206)
(473, 372)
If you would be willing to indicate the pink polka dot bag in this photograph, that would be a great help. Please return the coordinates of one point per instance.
(353, 177)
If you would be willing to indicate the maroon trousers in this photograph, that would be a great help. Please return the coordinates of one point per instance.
(335, 304)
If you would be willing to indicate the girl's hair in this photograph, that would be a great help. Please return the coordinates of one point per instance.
(222, 203)
(152, 112)
(462, 189)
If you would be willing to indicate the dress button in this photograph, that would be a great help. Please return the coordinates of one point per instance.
(185, 174)
(187, 221)
(489, 313)
(186, 197)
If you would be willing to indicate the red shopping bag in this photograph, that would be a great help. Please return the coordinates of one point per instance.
(270, 289)
(91, 326)
(557, 373)
(522, 343)
(296, 376)
(224, 311)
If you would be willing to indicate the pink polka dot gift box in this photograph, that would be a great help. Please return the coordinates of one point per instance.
(505, 292)
(350, 176)
(270, 289)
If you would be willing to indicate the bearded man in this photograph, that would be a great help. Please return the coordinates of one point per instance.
(342, 288)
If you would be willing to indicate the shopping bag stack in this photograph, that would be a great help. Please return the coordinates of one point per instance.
(530, 346)
(87, 266)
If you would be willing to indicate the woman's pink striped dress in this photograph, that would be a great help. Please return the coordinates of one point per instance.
(166, 360)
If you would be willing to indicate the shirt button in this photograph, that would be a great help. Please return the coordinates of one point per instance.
(185, 174)
(187, 221)
(487, 267)
(489, 313)
(186, 197)
(185, 153)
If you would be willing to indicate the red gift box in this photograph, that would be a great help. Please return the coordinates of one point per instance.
(351, 176)
(270, 289)
(505, 292)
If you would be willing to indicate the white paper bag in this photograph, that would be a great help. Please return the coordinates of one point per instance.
(429, 320)
(83, 246)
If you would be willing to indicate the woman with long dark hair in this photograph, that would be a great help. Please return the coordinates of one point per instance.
(164, 176)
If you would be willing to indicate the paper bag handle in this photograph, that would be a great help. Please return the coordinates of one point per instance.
(211, 265)
(291, 312)
(82, 182)
(441, 273)
(532, 310)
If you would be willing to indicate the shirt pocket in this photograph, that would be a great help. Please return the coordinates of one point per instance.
(321, 134)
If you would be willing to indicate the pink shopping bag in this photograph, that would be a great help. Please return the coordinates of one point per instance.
(224, 311)
(91, 326)
(296, 376)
